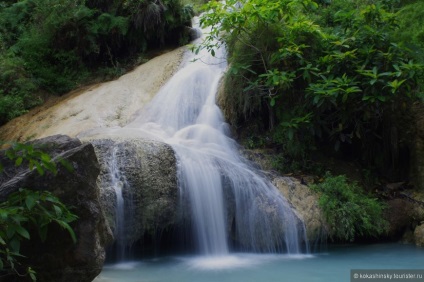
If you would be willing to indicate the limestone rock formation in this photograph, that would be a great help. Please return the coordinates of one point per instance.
(146, 172)
(303, 200)
(305, 203)
(58, 259)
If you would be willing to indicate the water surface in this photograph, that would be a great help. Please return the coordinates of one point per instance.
(334, 265)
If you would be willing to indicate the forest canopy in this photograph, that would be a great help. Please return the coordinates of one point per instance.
(55, 45)
(331, 73)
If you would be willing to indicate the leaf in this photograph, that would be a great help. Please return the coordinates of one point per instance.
(272, 102)
(18, 161)
(10, 231)
(3, 214)
(32, 274)
(39, 169)
(57, 210)
(2, 241)
(22, 231)
(290, 134)
(381, 98)
(66, 164)
(15, 245)
(30, 202)
(213, 52)
(68, 228)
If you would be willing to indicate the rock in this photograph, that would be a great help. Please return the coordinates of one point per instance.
(58, 259)
(305, 203)
(419, 235)
(146, 172)
(399, 214)
(404, 216)
(303, 200)
(107, 105)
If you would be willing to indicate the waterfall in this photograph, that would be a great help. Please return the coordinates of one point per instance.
(230, 201)
(118, 184)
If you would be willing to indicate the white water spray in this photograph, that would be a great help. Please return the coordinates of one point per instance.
(228, 197)
(118, 184)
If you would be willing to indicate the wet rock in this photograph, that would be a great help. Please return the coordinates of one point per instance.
(305, 203)
(145, 170)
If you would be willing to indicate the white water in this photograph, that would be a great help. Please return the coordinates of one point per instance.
(232, 206)
(225, 194)
(119, 183)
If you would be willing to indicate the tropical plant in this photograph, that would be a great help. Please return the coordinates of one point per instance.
(349, 212)
(54, 46)
(26, 211)
(327, 73)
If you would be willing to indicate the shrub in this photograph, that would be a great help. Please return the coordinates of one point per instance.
(350, 213)
(25, 211)
(56, 45)
(328, 74)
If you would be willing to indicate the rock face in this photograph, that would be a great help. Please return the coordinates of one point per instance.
(103, 105)
(305, 203)
(145, 170)
(58, 259)
(419, 235)
(303, 200)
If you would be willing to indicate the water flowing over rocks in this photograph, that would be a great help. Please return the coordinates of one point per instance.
(146, 170)
(302, 199)
(305, 203)
(58, 259)
(103, 105)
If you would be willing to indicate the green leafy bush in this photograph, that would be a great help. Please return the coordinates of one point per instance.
(350, 213)
(411, 33)
(328, 73)
(17, 88)
(25, 212)
(56, 45)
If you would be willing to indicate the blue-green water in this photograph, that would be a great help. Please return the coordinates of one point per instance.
(334, 265)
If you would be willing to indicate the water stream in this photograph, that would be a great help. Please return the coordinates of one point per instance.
(334, 265)
(226, 195)
(242, 227)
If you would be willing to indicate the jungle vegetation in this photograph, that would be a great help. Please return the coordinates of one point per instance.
(26, 213)
(327, 75)
(339, 78)
(53, 46)
(335, 76)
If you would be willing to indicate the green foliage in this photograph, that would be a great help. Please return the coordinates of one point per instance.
(56, 45)
(350, 213)
(17, 91)
(328, 72)
(411, 32)
(26, 211)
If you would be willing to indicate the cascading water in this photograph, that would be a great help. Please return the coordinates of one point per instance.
(118, 184)
(227, 196)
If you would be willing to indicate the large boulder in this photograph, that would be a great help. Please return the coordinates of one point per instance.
(305, 203)
(303, 200)
(58, 258)
(144, 171)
